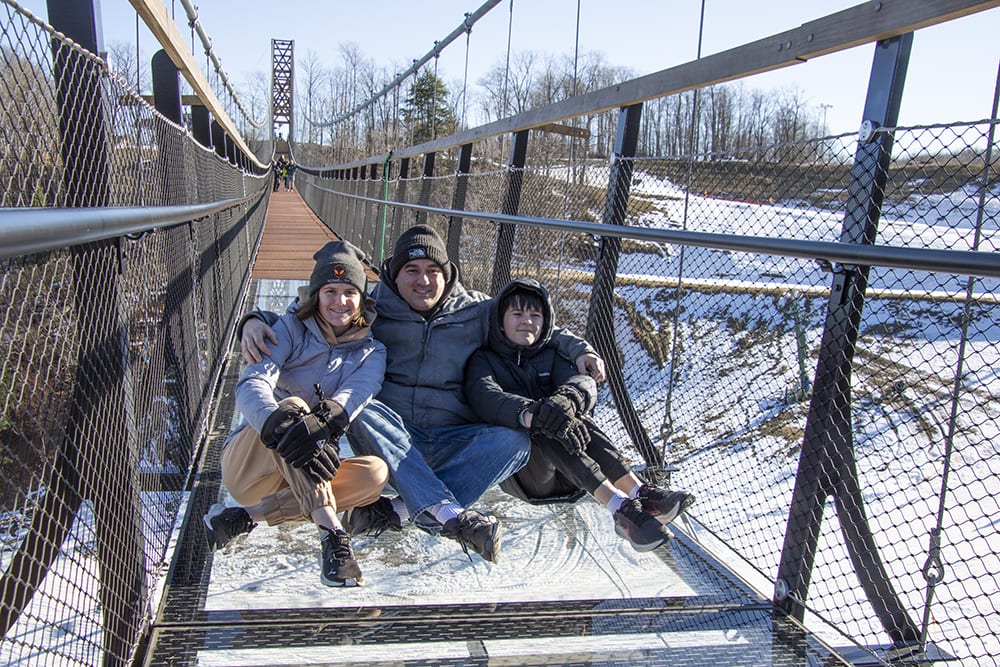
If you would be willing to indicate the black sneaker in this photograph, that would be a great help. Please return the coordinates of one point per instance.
(373, 519)
(642, 531)
(223, 524)
(337, 564)
(664, 504)
(476, 531)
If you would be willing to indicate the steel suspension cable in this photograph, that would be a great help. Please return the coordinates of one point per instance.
(439, 46)
(210, 55)
(667, 427)
(933, 569)
(506, 78)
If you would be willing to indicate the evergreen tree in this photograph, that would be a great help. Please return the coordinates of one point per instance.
(426, 113)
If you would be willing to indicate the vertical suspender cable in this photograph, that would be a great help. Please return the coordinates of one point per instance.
(571, 163)
(465, 76)
(667, 428)
(506, 78)
(933, 569)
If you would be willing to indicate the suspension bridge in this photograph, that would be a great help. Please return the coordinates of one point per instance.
(803, 333)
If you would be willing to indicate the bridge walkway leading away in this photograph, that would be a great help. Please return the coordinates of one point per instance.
(567, 590)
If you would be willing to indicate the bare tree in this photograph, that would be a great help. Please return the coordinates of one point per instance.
(123, 60)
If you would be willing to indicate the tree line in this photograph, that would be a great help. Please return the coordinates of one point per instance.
(722, 120)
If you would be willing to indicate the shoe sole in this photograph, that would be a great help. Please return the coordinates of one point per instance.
(495, 543)
(675, 511)
(349, 582)
(213, 511)
(642, 548)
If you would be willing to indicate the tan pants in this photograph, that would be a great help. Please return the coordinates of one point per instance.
(254, 474)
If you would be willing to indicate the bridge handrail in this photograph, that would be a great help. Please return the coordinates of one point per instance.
(30, 230)
(960, 262)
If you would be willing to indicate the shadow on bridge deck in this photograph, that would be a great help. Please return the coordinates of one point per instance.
(567, 590)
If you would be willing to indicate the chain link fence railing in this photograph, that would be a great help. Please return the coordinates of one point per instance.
(720, 353)
(112, 343)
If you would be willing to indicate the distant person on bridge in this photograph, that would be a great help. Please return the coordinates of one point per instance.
(323, 367)
(441, 458)
(278, 168)
(519, 381)
(290, 175)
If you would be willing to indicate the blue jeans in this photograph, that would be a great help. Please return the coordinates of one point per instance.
(444, 464)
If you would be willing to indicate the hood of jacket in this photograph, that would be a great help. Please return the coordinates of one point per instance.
(498, 341)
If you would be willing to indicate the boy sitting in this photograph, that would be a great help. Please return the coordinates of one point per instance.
(519, 381)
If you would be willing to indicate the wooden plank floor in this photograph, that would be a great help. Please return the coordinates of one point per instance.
(292, 233)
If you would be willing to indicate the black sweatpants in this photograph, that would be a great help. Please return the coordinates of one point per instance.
(586, 471)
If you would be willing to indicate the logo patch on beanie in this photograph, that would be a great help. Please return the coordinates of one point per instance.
(338, 272)
(417, 252)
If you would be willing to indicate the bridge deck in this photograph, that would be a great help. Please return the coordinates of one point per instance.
(292, 233)
(567, 590)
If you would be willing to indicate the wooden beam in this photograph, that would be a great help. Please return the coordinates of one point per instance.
(566, 130)
(156, 16)
(186, 100)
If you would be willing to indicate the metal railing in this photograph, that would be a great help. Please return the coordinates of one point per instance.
(804, 335)
(716, 325)
(126, 252)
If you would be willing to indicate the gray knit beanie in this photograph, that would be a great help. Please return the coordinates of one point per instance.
(338, 262)
(419, 242)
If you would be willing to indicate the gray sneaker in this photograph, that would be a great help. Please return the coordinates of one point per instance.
(642, 531)
(664, 504)
(224, 524)
(475, 531)
(338, 566)
(373, 519)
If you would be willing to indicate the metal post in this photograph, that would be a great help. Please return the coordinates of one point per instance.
(101, 392)
(218, 139)
(454, 238)
(425, 186)
(827, 465)
(511, 203)
(397, 214)
(201, 125)
(600, 320)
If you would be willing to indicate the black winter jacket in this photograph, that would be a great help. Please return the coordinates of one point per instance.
(503, 379)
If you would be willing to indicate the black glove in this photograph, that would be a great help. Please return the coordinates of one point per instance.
(574, 436)
(305, 438)
(553, 414)
(577, 398)
(334, 416)
(324, 465)
(278, 423)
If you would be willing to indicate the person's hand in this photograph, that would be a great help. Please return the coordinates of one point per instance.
(278, 423)
(587, 363)
(303, 440)
(253, 342)
(574, 436)
(553, 412)
(325, 464)
(334, 416)
(552, 416)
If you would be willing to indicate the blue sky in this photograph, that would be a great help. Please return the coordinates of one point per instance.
(952, 74)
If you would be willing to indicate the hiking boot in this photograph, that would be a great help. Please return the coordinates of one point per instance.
(476, 531)
(664, 504)
(373, 519)
(223, 524)
(642, 531)
(337, 564)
